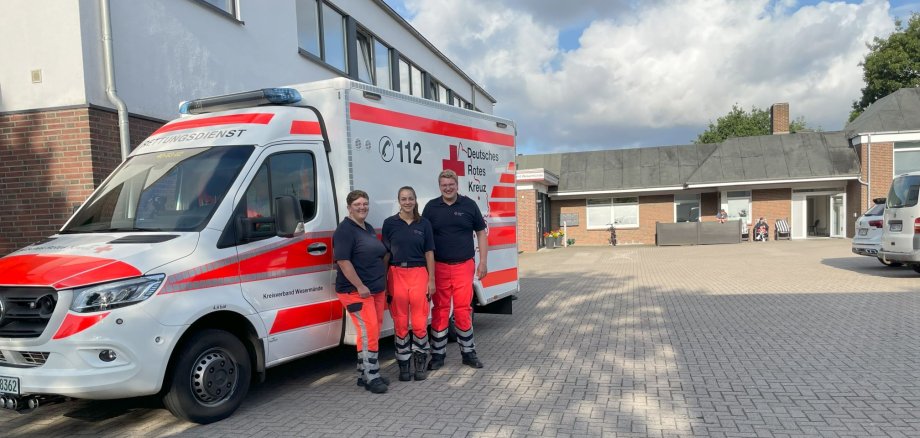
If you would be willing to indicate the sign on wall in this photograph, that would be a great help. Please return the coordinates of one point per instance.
(569, 219)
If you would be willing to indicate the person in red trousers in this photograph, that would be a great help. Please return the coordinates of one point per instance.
(410, 242)
(360, 284)
(455, 219)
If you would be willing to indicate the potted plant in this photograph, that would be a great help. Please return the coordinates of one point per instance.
(553, 239)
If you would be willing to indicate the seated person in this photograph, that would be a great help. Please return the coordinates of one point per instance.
(761, 230)
(722, 216)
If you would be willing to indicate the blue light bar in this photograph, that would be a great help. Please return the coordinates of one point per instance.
(265, 96)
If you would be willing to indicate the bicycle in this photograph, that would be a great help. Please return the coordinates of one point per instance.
(613, 234)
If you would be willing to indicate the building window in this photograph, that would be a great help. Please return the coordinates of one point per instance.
(410, 79)
(738, 205)
(227, 6)
(460, 103)
(619, 212)
(308, 26)
(334, 38)
(906, 157)
(365, 59)
(382, 65)
(439, 92)
(321, 32)
(686, 208)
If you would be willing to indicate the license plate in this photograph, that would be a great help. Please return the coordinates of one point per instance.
(863, 231)
(895, 227)
(9, 385)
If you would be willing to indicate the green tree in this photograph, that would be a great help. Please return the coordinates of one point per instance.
(740, 123)
(892, 63)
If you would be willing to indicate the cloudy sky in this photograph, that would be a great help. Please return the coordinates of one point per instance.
(598, 74)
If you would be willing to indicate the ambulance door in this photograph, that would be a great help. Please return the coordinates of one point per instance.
(289, 280)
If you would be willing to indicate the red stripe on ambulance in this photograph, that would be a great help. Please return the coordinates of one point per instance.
(380, 116)
(500, 277)
(503, 192)
(304, 127)
(305, 316)
(233, 119)
(501, 209)
(74, 324)
(502, 236)
(61, 271)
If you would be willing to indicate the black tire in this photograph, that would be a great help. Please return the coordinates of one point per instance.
(890, 264)
(916, 268)
(206, 398)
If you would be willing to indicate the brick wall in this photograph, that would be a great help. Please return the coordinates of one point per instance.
(859, 197)
(772, 204)
(652, 209)
(50, 161)
(527, 220)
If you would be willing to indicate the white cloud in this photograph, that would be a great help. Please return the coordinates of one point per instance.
(654, 73)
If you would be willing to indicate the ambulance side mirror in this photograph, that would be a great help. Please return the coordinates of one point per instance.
(288, 218)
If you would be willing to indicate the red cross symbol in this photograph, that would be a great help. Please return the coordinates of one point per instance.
(103, 249)
(453, 163)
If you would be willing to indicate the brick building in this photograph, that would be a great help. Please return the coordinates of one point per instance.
(819, 182)
(59, 132)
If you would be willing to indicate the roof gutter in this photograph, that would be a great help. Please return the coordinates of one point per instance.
(615, 192)
(109, 67)
(765, 182)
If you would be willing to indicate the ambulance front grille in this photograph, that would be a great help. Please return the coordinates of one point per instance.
(23, 359)
(25, 311)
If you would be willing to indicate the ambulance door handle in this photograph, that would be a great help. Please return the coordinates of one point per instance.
(316, 249)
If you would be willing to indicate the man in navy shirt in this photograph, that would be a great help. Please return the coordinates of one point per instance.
(454, 218)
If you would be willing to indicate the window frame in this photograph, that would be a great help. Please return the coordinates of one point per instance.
(612, 203)
(697, 199)
(348, 37)
(233, 13)
(726, 196)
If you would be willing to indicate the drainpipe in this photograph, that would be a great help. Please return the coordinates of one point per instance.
(869, 171)
(109, 67)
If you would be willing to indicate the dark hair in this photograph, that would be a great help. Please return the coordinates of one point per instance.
(355, 195)
(415, 215)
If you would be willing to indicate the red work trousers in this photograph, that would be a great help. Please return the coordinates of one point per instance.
(367, 316)
(453, 284)
(409, 288)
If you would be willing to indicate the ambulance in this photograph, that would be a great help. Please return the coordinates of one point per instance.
(205, 258)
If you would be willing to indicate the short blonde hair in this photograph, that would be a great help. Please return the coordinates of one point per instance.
(448, 174)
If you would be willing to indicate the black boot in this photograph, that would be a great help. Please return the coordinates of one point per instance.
(404, 374)
(437, 361)
(471, 359)
(376, 386)
(385, 380)
(419, 357)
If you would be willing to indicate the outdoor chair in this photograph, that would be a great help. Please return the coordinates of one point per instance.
(781, 231)
(813, 229)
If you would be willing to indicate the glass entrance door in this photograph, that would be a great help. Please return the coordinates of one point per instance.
(838, 216)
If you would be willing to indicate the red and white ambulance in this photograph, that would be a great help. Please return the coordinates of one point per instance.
(205, 258)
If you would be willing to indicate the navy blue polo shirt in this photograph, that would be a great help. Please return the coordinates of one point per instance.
(407, 243)
(453, 227)
(361, 247)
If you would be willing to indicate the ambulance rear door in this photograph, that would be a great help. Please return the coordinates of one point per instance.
(398, 140)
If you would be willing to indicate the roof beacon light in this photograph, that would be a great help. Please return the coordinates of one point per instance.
(265, 96)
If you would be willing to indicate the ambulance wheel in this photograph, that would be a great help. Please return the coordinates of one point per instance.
(889, 264)
(916, 268)
(210, 377)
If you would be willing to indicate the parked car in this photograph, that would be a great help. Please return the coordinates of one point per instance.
(869, 229)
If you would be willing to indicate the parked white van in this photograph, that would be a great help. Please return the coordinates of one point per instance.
(206, 257)
(901, 236)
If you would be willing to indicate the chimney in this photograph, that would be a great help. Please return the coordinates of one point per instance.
(779, 118)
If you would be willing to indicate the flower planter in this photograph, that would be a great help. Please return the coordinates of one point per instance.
(552, 242)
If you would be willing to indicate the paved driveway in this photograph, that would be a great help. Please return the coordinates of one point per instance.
(777, 339)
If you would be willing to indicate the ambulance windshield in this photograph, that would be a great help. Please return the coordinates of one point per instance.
(162, 191)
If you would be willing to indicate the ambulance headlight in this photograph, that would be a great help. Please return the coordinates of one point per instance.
(116, 294)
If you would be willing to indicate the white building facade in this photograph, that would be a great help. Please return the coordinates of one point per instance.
(58, 128)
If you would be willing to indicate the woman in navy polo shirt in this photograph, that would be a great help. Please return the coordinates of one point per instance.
(360, 283)
(410, 242)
